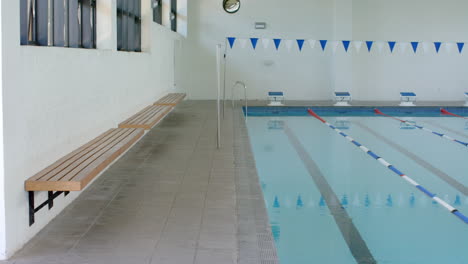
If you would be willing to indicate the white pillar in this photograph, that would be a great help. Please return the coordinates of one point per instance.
(106, 27)
(3, 254)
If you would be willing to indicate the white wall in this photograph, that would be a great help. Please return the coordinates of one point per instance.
(434, 77)
(56, 99)
(290, 72)
(314, 75)
(2, 178)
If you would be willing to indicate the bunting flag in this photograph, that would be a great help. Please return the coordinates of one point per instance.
(460, 46)
(437, 46)
(380, 46)
(242, 42)
(231, 41)
(277, 43)
(346, 44)
(254, 42)
(312, 43)
(369, 45)
(426, 47)
(415, 44)
(300, 43)
(323, 43)
(334, 45)
(391, 45)
(266, 43)
(357, 45)
(449, 47)
(403, 46)
(289, 44)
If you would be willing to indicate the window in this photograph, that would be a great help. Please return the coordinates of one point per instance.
(157, 11)
(129, 25)
(64, 23)
(173, 15)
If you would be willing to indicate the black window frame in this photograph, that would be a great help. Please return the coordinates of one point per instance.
(157, 11)
(173, 15)
(129, 25)
(65, 29)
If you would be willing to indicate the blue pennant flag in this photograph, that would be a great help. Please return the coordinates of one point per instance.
(300, 43)
(323, 43)
(460, 46)
(415, 46)
(369, 45)
(346, 44)
(277, 43)
(254, 42)
(391, 44)
(231, 41)
(437, 46)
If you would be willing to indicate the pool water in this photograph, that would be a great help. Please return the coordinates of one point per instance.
(329, 202)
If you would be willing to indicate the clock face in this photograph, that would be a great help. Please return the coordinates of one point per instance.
(231, 6)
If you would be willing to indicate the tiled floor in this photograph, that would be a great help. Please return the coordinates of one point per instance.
(173, 198)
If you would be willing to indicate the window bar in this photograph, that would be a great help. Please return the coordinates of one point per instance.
(93, 21)
(80, 29)
(50, 23)
(32, 22)
(66, 23)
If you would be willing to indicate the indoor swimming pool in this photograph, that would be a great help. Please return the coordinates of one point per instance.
(330, 202)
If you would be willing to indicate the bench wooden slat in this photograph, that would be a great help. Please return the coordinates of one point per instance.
(147, 118)
(85, 160)
(171, 99)
(83, 166)
(58, 165)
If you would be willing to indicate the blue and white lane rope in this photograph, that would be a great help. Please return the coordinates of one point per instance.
(378, 112)
(389, 166)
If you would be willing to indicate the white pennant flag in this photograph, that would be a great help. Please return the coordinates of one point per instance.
(357, 45)
(243, 43)
(266, 43)
(380, 45)
(334, 45)
(449, 47)
(312, 43)
(403, 46)
(426, 46)
(289, 44)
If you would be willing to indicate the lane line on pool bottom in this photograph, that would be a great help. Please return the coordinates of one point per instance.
(442, 175)
(389, 166)
(378, 112)
(349, 231)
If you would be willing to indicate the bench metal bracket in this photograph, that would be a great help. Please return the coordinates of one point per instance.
(50, 202)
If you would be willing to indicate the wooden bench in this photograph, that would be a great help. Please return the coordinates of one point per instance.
(171, 99)
(147, 118)
(77, 169)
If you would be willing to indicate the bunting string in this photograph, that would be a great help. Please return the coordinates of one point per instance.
(348, 46)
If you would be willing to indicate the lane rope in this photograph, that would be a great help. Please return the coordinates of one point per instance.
(445, 112)
(389, 166)
(378, 112)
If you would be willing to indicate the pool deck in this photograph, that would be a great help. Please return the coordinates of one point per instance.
(173, 198)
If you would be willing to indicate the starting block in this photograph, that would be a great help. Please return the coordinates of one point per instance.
(466, 98)
(342, 98)
(276, 98)
(407, 99)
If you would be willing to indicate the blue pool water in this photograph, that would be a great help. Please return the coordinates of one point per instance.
(377, 217)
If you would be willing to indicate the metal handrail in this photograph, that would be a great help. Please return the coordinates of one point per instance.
(245, 94)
